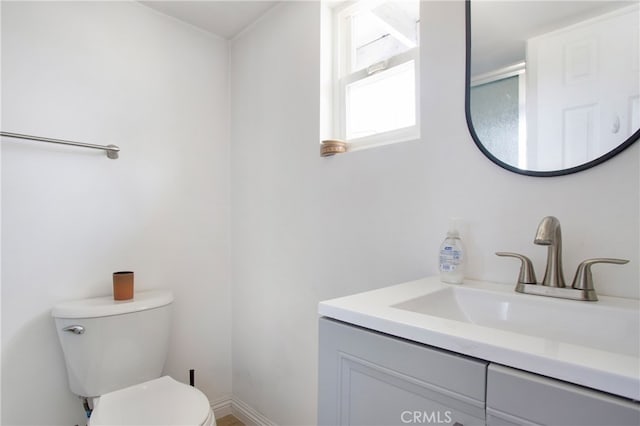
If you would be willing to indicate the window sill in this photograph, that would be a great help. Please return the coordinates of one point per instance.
(327, 147)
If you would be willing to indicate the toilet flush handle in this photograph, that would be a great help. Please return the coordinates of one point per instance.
(75, 329)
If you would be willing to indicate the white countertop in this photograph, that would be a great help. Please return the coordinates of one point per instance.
(616, 373)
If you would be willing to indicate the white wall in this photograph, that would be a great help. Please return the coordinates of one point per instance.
(111, 72)
(306, 228)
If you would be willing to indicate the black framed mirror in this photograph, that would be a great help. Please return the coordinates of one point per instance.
(552, 87)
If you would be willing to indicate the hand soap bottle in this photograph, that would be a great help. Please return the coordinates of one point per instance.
(452, 257)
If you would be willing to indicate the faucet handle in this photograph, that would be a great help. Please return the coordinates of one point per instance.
(584, 279)
(527, 274)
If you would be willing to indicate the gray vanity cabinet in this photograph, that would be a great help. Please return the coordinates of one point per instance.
(516, 397)
(369, 378)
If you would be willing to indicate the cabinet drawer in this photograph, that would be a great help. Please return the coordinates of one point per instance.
(518, 397)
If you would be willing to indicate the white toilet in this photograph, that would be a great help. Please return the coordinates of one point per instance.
(115, 352)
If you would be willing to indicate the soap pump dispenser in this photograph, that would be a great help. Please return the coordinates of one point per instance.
(452, 259)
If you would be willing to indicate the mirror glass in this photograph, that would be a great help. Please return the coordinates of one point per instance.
(553, 87)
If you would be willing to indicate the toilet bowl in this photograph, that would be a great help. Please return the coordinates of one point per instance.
(162, 401)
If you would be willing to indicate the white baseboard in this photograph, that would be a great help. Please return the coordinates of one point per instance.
(222, 406)
(230, 404)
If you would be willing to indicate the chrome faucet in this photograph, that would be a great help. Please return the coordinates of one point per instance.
(553, 284)
(549, 234)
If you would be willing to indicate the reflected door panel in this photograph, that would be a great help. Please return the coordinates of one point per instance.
(580, 79)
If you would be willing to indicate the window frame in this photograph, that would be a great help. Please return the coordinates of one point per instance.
(342, 78)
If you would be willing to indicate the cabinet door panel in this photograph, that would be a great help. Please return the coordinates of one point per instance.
(367, 378)
(542, 400)
(373, 395)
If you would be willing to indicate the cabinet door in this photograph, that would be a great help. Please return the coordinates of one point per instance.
(516, 397)
(368, 378)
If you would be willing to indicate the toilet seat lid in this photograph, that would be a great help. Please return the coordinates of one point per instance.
(162, 401)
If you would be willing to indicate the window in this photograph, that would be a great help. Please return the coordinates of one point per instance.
(376, 72)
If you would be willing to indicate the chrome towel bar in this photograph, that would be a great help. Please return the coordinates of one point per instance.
(112, 150)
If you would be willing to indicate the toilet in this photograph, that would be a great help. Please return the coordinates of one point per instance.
(114, 353)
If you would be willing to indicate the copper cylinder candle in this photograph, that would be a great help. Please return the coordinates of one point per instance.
(123, 285)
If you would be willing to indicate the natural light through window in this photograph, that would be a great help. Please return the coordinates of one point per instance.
(366, 115)
(376, 69)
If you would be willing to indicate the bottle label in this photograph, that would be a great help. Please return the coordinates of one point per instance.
(450, 258)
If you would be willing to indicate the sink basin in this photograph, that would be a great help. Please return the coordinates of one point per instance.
(592, 344)
(599, 325)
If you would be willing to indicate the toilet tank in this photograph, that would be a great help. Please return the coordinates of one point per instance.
(111, 344)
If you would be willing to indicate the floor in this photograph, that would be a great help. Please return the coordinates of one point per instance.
(229, 421)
